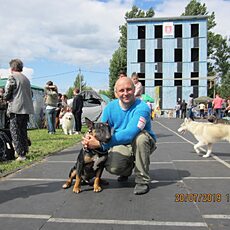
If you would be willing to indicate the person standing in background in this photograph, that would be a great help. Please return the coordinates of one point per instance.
(77, 109)
(190, 107)
(137, 84)
(183, 108)
(217, 105)
(19, 96)
(58, 111)
(209, 105)
(202, 108)
(227, 110)
(121, 74)
(177, 108)
(51, 101)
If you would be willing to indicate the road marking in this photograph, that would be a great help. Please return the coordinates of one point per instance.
(152, 162)
(25, 216)
(212, 155)
(161, 162)
(153, 181)
(166, 181)
(128, 222)
(48, 161)
(106, 221)
(34, 179)
(206, 178)
(216, 216)
(171, 142)
(198, 161)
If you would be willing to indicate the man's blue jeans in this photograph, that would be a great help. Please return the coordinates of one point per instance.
(51, 117)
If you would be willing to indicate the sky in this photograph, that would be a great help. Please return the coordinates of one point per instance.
(58, 39)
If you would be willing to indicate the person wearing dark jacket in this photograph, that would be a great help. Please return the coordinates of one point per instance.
(77, 109)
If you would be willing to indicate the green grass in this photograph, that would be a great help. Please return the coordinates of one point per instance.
(43, 144)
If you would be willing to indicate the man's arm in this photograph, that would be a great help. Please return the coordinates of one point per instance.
(134, 126)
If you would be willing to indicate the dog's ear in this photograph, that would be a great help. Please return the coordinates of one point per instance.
(88, 122)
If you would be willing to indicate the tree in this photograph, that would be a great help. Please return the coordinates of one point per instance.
(78, 83)
(221, 56)
(224, 88)
(196, 8)
(119, 58)
(105, 92)
(117, 63)
(218, 49)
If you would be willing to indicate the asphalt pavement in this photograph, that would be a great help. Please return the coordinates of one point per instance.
(186, 192)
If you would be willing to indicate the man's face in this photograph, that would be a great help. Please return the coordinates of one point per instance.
(125, 91)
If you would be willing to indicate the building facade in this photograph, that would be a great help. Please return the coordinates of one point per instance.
(170, 57)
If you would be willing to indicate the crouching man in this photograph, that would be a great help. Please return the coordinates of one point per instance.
(132, 141)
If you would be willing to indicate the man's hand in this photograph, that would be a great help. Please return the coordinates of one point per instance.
(90, 142)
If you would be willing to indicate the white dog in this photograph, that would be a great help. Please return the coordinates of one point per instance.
(68, 123)
(206, 133)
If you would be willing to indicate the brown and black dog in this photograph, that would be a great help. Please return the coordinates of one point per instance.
(90, 163)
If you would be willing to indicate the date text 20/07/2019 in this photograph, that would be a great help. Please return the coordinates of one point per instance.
(202, 197)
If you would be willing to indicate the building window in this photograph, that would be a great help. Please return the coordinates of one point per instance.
(141, 32)
(142, 75)
(178, 31)
(194, 30)
(158, 55)
(194, 54)
(158, 79)
(158, 31)
(179, 77)
(194, 75)
(141, 55)
(178, 55)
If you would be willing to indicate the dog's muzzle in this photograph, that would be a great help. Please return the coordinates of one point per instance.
(181, 130)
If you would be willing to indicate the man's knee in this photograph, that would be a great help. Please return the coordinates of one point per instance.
(144, 142)
(117, 163)
(141, 139)
(113, 170)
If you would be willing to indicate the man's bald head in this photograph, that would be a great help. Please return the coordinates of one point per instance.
(122, 81)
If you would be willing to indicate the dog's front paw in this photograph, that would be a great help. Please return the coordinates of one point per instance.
(66, 185)
(197, 150)
(96, 185)
(76, 189)
(97, 189)
(206, 155)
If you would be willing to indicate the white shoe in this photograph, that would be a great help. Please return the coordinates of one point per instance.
(16, 154)
(76, 133)
(20, 158)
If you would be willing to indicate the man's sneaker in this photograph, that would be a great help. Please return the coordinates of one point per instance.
(141, 189)
(122, 178)
(20, 158)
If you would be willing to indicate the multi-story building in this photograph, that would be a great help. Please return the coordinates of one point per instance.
(170, 56)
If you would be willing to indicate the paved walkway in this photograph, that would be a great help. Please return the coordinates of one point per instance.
(187, 192)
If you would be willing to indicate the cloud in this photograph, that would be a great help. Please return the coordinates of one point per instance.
(78, 32)
(66, 31)
(173, 8)
(4, 73)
